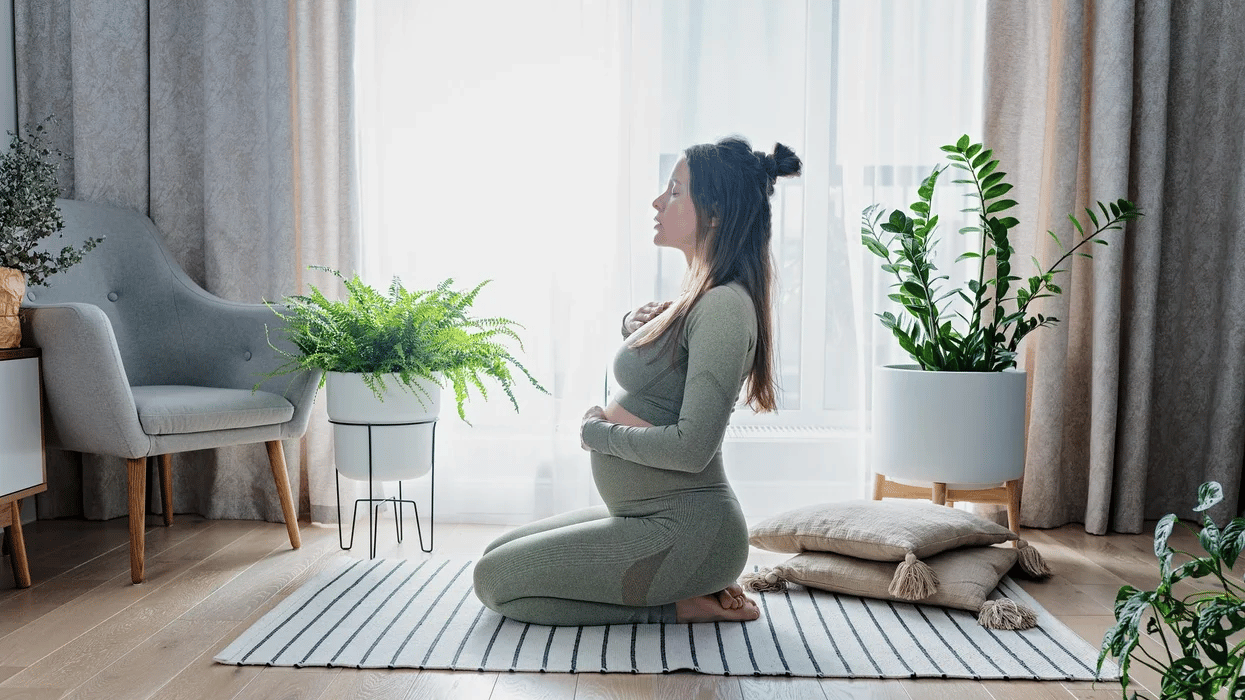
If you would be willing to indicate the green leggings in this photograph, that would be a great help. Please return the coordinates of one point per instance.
(625, 562)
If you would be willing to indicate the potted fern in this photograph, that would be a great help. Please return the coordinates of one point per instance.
(964, 356)
(386, 358)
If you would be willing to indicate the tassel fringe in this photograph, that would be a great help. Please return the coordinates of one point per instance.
(1031, 561)
(765, 580)
(1004, 614)
(914, 580)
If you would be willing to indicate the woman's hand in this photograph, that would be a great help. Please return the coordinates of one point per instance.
(644, 314)
(594, 412)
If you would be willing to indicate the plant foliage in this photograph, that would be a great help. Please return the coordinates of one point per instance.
(999, 318)
(28, 210)
(411, 334)
(1200, 660)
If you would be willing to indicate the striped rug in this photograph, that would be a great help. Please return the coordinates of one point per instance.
(423, 614)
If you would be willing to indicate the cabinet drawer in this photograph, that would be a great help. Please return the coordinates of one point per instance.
(21, 428)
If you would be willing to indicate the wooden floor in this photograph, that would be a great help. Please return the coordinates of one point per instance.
(83, 631)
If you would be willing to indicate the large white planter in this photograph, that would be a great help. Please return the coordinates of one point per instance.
(963, 429)
(400, 427)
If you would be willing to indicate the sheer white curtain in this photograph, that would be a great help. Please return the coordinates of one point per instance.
(524, 142)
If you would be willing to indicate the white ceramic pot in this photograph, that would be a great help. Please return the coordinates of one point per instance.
(400, 427)
(964, 429)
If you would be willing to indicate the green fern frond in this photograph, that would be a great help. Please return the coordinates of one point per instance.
(410, 333)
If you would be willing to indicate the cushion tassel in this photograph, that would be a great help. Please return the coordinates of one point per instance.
(765, 580)
(913, 580)
(1004, 614)
(1031, 561)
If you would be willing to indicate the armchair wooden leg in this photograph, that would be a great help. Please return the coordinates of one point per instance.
(276, 457)
(166, 487)
(137, 469)
(939, 495)
(878, 481)
(17, 546)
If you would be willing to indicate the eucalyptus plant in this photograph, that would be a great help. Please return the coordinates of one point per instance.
(28, 209)
(998, 302)
(426, 334)
(1201, 659)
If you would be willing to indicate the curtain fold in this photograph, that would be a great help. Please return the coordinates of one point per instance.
(1136, 396)
(230, 124)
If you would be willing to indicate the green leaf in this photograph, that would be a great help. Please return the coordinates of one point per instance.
(1077, 224)
(972, 150)
(989, 170)
(1009, 222)
(990, 180)
(1208, 537)
(998, 190)
(1000, 205)
(962, 144)
(967, 256)
(1208, 495)
(914, 289)
(1162, 531)
(1232, 542)
(874, 247)
(1093, 219)
(982, 158)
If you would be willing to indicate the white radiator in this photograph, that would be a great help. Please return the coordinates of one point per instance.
(776, 468)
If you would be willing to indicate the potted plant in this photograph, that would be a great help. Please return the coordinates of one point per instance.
(386, 358)
(964, 357)
(1201, 659)
(29, 214)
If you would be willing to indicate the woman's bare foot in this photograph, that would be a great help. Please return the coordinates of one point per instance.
(708, 608)
(732, 597)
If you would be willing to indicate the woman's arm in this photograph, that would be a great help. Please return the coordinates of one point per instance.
(721, 331)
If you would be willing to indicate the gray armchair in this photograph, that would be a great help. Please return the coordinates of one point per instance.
(139, 361)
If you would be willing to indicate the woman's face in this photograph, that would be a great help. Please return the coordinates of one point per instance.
(676, 216)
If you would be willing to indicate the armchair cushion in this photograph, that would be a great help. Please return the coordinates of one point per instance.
(171, 410)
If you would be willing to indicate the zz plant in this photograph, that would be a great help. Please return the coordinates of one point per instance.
(410, 334)
(1199, 658)
(998, 301)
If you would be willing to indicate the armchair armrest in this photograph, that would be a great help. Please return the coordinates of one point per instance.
(89, 403)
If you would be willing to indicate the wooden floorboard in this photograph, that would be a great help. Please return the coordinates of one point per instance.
(83, 631)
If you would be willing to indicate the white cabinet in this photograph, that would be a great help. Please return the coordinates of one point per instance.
(21, 431)
(21, 447)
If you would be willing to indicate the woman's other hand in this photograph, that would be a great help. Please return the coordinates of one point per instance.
(594, 412)
(644, 314)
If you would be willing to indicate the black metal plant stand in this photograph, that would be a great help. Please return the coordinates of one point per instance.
(373, 512)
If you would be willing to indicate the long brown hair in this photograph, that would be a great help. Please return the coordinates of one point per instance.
(731, 185)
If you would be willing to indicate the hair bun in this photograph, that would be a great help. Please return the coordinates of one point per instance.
(783, 163)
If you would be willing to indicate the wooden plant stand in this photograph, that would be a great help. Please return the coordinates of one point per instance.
(1006, 495)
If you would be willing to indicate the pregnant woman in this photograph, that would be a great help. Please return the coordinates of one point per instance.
(671, 539)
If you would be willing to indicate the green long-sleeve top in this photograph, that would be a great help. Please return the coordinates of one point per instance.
(690, 401)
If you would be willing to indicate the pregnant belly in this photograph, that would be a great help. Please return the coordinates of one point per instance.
(615, 413)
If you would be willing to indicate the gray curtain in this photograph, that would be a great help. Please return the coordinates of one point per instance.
(230, 124)
(1138, 395)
